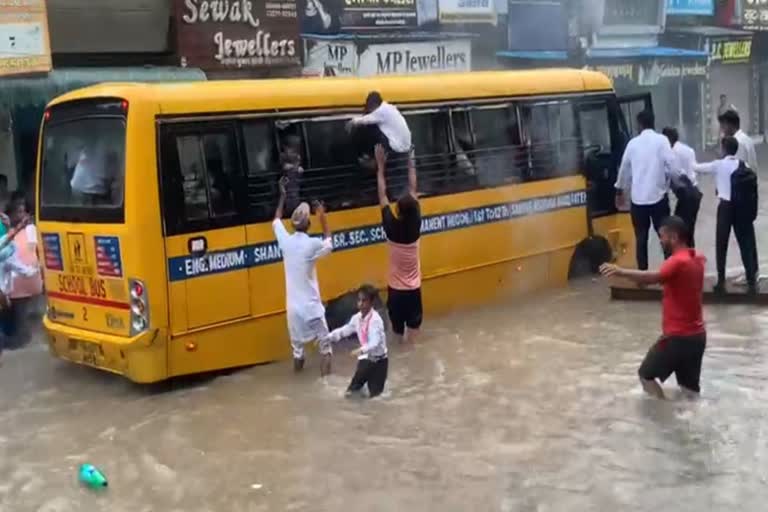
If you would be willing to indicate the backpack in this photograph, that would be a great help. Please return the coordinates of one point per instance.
(744, 193)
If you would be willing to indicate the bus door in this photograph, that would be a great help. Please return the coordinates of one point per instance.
(205, 230)
(630, 106)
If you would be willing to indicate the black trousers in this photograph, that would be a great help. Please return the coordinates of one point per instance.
(643, 215)
(688, 209)
(745, 236)
(373, 373)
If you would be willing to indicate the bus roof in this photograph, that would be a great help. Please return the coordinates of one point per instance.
(254, 95)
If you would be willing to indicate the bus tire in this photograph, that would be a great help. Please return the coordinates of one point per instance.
(588, 256)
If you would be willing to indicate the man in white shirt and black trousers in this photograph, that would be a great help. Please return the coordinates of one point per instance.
(727, 217)
(646, 167)
(685, 184)
(730, 124)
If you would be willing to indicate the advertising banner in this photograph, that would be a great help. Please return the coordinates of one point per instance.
(237, 34)
(326, 58)
(467, 11)
(379, 14)
(343, 58)
(755, 14)
(730, 51)
(24, 43)
(415, 58)
(691, 7)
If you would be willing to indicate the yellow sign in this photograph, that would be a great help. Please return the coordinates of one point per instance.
(24, 46)
(739, 50)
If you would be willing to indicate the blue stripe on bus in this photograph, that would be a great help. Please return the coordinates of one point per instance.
(238, 258)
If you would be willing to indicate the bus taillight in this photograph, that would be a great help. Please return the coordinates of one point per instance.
(139, 307)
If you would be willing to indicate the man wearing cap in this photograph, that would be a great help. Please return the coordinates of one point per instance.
(304, 308)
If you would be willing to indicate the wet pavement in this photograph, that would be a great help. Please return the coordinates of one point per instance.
(531, 405)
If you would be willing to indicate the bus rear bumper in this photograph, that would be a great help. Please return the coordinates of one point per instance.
(142, 358)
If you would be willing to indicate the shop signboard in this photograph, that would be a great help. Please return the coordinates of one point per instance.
(654, 72)
(691, 7)
(755, 15)
(329, 58)
(415, 58)
(24, 42)
(525, 21)
(379, 14)
(632, 12)
(237, 34)
(467, 11)
(730, 51)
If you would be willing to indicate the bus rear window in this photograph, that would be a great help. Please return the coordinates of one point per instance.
(83, 169)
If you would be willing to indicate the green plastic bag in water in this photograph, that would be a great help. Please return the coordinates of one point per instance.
(92, 477)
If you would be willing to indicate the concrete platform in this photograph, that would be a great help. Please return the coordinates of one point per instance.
(736, 293)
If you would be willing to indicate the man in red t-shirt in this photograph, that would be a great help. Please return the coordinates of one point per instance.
(681, 347)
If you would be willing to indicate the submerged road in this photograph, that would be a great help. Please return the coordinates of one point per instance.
(531, 405)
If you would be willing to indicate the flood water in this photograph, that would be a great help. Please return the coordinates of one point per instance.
(531, 405)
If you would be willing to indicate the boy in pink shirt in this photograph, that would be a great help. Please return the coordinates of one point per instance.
(403, 234)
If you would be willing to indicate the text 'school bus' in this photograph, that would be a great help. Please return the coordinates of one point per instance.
(155, 204)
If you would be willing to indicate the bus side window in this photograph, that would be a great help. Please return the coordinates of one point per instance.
(463, 175)
(262, 169)
(222, 173)
(551, 136)
(192, 168)
(499, 156)
(341, 171)
(430, 138)
(200, 173)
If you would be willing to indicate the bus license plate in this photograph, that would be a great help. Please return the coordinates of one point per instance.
(89, 351)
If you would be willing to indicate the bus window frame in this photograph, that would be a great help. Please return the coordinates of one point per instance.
(89, 214)
(168, 135)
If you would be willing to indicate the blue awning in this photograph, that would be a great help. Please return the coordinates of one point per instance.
(646, 52)
(533, 55)
(609, 53)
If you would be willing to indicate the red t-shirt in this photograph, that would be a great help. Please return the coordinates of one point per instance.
(683, 278)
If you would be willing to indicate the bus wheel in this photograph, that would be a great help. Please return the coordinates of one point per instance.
(588, 256)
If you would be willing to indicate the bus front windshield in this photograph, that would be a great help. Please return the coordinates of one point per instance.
(83, 169)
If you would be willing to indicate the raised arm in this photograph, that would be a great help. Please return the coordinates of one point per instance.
(412, 181)
(281, 202)
(381, 180)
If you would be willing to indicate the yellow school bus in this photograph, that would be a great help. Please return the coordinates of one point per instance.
(154, 204)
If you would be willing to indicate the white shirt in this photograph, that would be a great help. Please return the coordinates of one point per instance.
(91, 176)
(646, 167)
(722, 169)
(746, 150)
(685, 161)
(300, 252)
(375, 346)
(392, 124)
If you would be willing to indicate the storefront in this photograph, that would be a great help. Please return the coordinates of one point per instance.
(25, 31)
(730, 81)
(378, 54)
(675, 79)
(251, 41)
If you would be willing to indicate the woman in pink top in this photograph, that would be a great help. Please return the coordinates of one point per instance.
(403, 234)
(25, 290)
